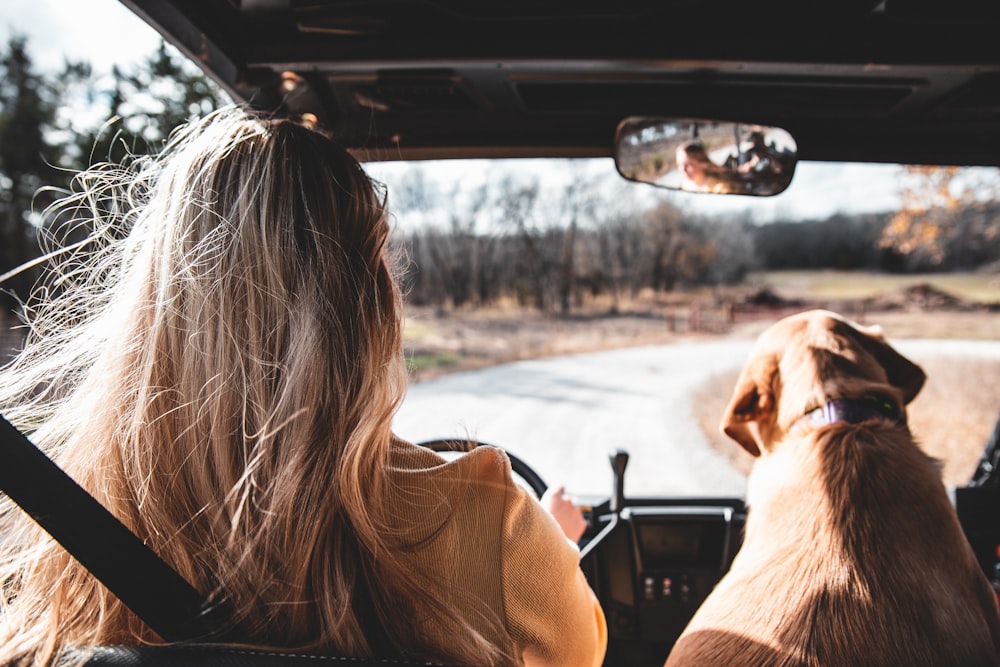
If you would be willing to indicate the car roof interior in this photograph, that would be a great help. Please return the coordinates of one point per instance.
(855, 80)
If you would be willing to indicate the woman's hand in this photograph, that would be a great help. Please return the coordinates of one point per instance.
(567, 515)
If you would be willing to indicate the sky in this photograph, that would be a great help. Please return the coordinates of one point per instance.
(105, 32)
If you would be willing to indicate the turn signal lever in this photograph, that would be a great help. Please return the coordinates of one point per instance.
(619, 459)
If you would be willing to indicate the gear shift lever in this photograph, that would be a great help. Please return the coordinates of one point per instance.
(619, 459)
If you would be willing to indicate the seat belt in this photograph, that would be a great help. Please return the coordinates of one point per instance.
(154, 591)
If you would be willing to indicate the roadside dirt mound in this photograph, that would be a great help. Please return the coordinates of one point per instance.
(922, 296)
(765, 296)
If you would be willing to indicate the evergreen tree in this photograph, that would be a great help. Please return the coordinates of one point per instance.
(28, 161)
(52, 126)
(146, 103)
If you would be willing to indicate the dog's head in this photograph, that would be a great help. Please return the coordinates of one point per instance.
(802, 362)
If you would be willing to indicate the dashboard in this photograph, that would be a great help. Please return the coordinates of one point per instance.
(652, 562)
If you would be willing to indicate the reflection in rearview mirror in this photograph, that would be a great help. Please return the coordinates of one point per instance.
(705, 155)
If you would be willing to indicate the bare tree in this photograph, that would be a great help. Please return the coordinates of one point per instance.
(579, 204)
(516, 203)
(669, 247)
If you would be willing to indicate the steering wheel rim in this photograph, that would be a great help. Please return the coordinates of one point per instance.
(517, 465)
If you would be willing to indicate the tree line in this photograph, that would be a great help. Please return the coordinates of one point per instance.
(611, 252)
(514, 237)
(663, 249)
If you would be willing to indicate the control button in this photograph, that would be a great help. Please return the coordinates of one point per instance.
(684, 590)
(649, 588)
(667, 587)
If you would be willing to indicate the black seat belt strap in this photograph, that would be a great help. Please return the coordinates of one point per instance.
(153, 590)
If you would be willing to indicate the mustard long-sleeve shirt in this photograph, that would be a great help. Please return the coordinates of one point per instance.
(506, 564)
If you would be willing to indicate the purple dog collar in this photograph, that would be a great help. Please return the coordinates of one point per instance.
(851, 411)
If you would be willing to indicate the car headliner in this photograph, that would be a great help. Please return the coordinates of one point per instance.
(855, 80)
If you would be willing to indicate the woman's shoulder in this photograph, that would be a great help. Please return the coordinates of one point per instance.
(428, 492)
(483, 465)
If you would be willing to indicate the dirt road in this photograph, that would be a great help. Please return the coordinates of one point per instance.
(562, 415)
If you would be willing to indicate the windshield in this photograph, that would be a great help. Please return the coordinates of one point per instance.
(561, 312)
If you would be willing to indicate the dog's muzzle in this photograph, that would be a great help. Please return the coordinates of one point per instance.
(850, 411)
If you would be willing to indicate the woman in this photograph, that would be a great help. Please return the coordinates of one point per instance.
(699, 172)
(220, 367)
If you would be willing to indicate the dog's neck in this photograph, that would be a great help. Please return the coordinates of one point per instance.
(850, 411)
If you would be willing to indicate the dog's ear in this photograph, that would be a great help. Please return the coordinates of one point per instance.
(752, 400)
(902, 373)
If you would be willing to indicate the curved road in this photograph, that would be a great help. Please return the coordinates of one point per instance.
(563, 415)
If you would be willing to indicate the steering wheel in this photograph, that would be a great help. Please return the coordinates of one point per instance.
(988, 471)
(531, 478)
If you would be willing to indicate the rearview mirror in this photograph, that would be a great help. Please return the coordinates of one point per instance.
(700, 155)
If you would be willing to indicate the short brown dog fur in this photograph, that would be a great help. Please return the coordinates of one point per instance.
(853, 554)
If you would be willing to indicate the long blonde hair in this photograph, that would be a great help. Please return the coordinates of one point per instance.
(218, 364)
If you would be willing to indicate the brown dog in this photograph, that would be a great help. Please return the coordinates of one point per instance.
(853, 554)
